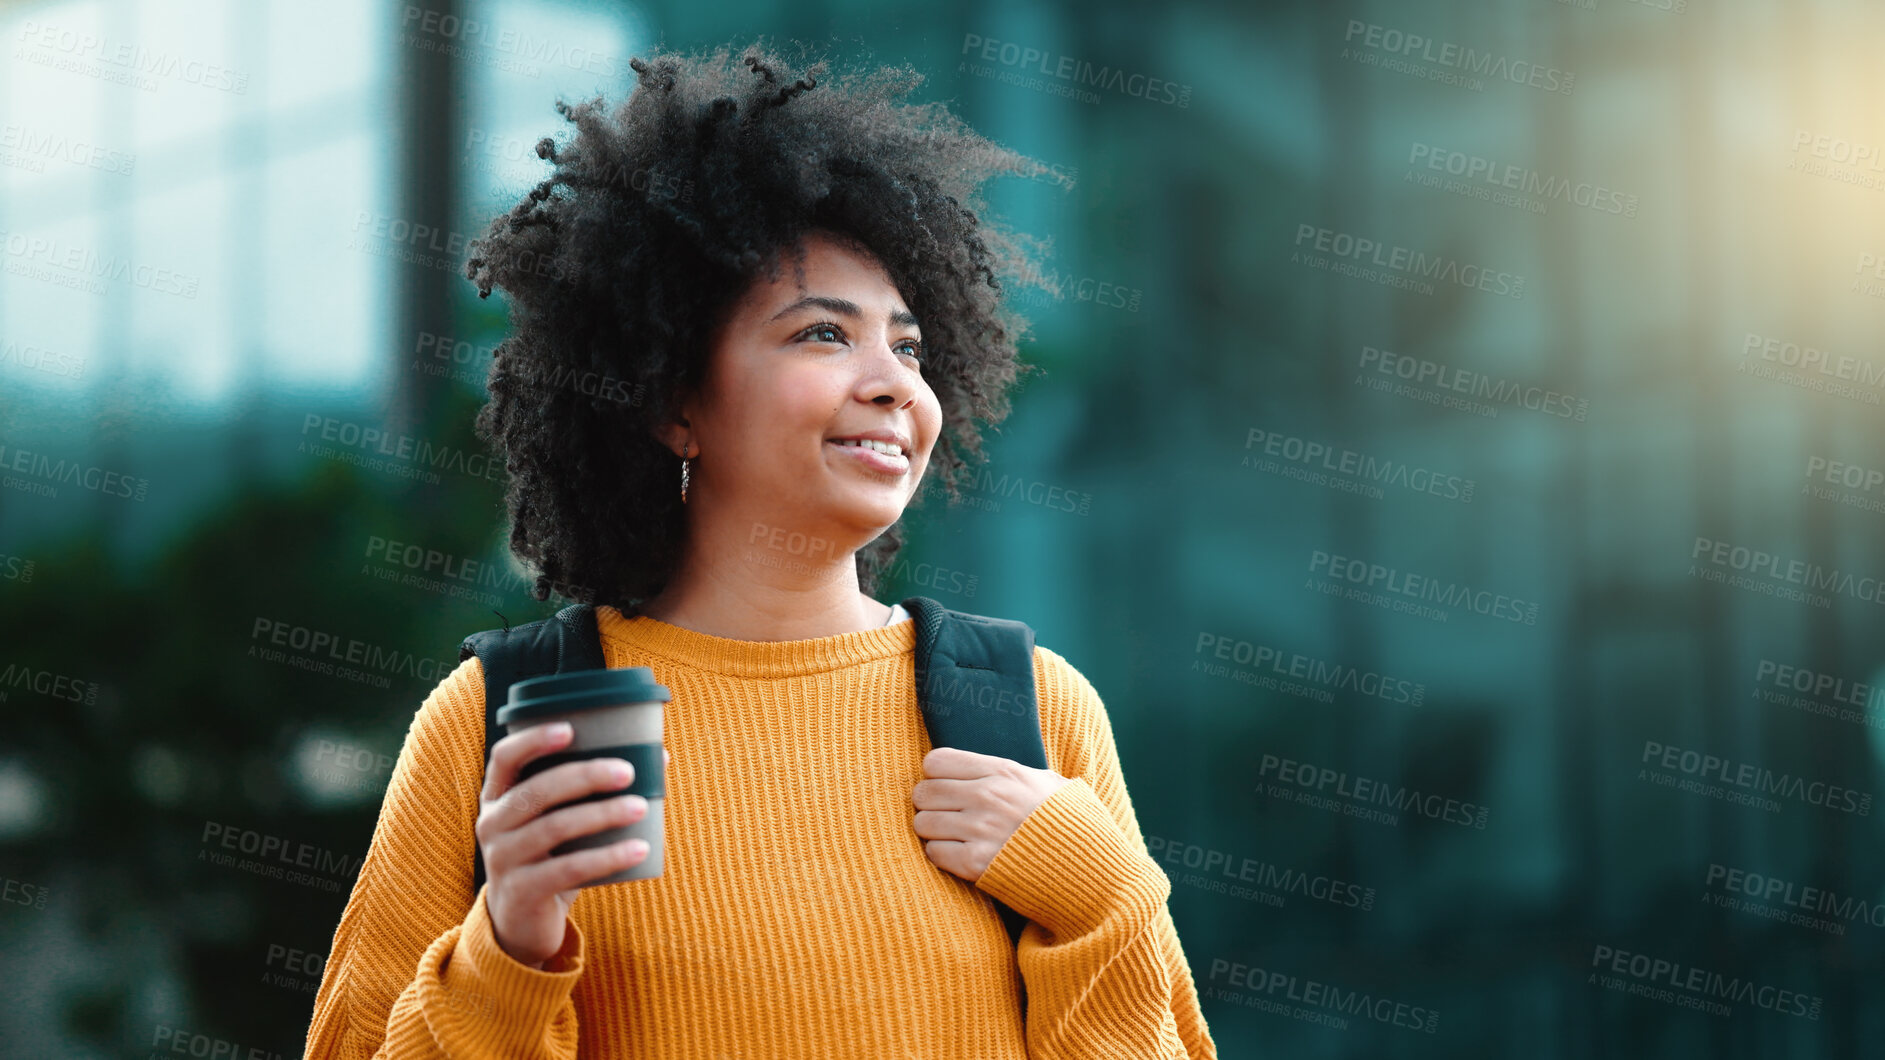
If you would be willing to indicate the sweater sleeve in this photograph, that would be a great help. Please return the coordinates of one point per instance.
(1105, 974)
(415, 969)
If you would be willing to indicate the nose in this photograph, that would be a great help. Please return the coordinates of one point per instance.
(887, 381)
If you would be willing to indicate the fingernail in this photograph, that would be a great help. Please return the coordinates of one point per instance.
(561, 728)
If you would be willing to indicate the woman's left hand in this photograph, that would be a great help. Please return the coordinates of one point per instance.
(971, 803)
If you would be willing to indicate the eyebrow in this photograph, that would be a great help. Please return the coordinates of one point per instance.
(843, 307)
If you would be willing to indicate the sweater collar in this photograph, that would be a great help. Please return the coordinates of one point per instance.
(755, 658)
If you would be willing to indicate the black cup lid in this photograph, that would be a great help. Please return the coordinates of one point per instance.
(581, 690)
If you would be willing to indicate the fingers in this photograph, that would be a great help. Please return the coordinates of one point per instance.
(534, 840)
(509, 755)
(516, 824)
(945, 824)
(952, 857)
(552, 787)
(567, 871)
(957, 764)
(942, 794)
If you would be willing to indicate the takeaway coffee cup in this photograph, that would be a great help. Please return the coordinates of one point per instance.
(614, 713)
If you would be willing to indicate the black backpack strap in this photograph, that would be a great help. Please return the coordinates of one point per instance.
(564, 642)
(975, 683)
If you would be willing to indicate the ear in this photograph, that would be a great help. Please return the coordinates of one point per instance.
(674, 435)
(677, 431)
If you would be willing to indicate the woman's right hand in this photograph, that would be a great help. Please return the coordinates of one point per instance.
(528, 892)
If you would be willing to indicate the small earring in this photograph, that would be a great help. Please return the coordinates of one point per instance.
(684, 462)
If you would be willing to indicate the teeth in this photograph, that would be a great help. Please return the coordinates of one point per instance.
(883, 447)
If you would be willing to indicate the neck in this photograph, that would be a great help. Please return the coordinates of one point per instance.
(766, 586)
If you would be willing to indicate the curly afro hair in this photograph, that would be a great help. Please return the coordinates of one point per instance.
(658, 215)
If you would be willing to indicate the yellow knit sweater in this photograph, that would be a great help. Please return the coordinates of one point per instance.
(798, 915)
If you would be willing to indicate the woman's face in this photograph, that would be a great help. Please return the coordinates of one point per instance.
(821, 353)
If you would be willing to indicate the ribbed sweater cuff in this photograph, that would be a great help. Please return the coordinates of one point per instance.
(520, 1000)
(1069, 867)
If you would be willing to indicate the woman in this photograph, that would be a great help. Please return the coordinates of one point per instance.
(794, 274)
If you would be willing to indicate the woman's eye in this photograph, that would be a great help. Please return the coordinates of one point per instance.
(833, 333)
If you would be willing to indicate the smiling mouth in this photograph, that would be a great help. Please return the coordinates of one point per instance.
(872, 457)
(887, 448)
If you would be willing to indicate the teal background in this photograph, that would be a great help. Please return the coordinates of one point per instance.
(1738, 142)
